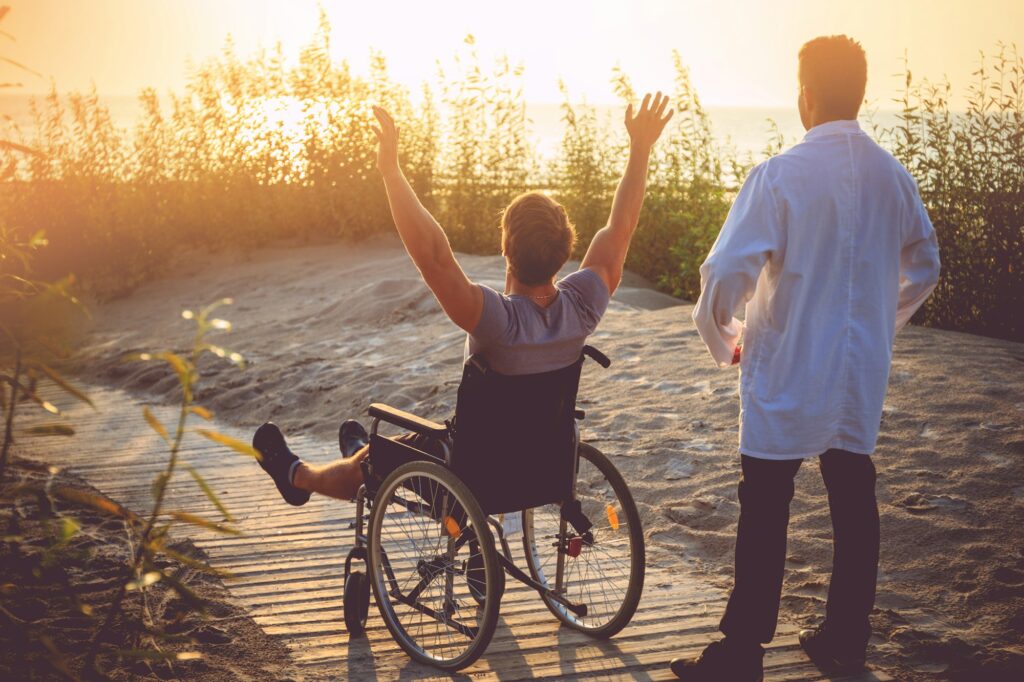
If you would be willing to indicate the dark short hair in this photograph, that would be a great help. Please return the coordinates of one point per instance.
(536, 237)
(835, 68)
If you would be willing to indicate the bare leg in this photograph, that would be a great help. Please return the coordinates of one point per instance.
(339, 479)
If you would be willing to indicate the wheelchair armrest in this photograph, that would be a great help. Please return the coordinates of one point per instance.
(408, 421)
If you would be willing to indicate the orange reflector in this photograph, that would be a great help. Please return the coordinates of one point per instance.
(613, 518)
(452, 526)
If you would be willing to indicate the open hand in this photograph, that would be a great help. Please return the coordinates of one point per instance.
(387, 139)
(645, 127)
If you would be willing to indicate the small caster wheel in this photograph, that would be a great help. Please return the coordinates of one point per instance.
(357, 603)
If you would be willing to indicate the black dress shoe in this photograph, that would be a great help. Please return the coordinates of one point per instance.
(278, 461)
(351, 437)
(722, 661)
(832, 655)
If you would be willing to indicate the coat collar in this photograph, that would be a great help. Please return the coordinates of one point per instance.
(841, 127)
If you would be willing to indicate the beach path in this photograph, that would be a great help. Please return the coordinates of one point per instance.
(288, 565)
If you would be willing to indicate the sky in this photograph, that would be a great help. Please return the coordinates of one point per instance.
(740, 52)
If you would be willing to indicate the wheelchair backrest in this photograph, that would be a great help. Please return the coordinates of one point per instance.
(515, 435)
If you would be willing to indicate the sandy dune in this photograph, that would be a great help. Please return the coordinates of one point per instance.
(327, 329)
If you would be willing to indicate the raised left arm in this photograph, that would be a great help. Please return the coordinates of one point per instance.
(422, 236)
(606, 254)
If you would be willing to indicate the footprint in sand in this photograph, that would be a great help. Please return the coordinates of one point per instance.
(702, 514)
(1008, 576)
(678, 469)
(669, 387)
(702, 387)
(997, 461)
(809, 589)
(992, 426)
(919, 503)
(900, 377)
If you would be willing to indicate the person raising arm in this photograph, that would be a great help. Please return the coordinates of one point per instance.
(606, 255)
(539, 324)
(421, 234)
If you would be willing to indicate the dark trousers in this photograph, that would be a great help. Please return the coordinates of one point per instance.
(765, 490)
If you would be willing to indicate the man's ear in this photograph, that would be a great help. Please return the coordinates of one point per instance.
(810, 98)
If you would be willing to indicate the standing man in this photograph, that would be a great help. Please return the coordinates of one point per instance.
(831, 250)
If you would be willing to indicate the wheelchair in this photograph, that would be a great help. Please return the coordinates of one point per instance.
(435, 525)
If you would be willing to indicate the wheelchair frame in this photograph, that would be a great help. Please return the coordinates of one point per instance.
(552, 596)
(359, 551)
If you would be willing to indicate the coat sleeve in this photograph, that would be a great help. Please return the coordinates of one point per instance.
(729, 274)
(919, 265)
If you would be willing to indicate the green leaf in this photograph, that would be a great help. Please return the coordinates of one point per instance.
(233, 443)
(51, 430)
(210, 495)
(201, 412)
(159, 481)
(98, 502)
(14, 146)
(191, 562)
(180, 366)
(63, 383)
(68, 528)
(155, 424)
(145, 580)
(186, 517)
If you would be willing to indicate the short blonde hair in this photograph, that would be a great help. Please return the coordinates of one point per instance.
(536, 237)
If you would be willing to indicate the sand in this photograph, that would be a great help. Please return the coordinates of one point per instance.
(329, 328)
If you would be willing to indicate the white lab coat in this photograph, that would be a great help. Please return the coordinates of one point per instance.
(832, 251)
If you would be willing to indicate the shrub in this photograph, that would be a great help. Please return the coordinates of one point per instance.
(255, 150)
(970, 169)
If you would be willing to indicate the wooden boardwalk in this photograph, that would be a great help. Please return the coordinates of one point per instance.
(289, 565)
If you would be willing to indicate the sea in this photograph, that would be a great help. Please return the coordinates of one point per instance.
(747, 130)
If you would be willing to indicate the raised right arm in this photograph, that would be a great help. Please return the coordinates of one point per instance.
(423, 237)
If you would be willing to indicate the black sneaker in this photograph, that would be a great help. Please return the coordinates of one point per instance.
(351, 437)
(277, 461)
(831, 654)
(722, 661)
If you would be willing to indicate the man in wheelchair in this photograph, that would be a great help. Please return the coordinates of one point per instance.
(436, 552)
(536, 325)
(434, 548)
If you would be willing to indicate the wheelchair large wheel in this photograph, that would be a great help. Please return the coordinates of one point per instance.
(425, 530)
(604, 572)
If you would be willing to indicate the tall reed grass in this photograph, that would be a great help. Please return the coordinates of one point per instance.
(256, 148)
(969, 167)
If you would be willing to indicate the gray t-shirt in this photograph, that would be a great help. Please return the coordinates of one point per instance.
(517, 336)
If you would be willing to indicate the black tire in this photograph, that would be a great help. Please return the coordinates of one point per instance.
(637, 554)
(357, 603)
(444, 488)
